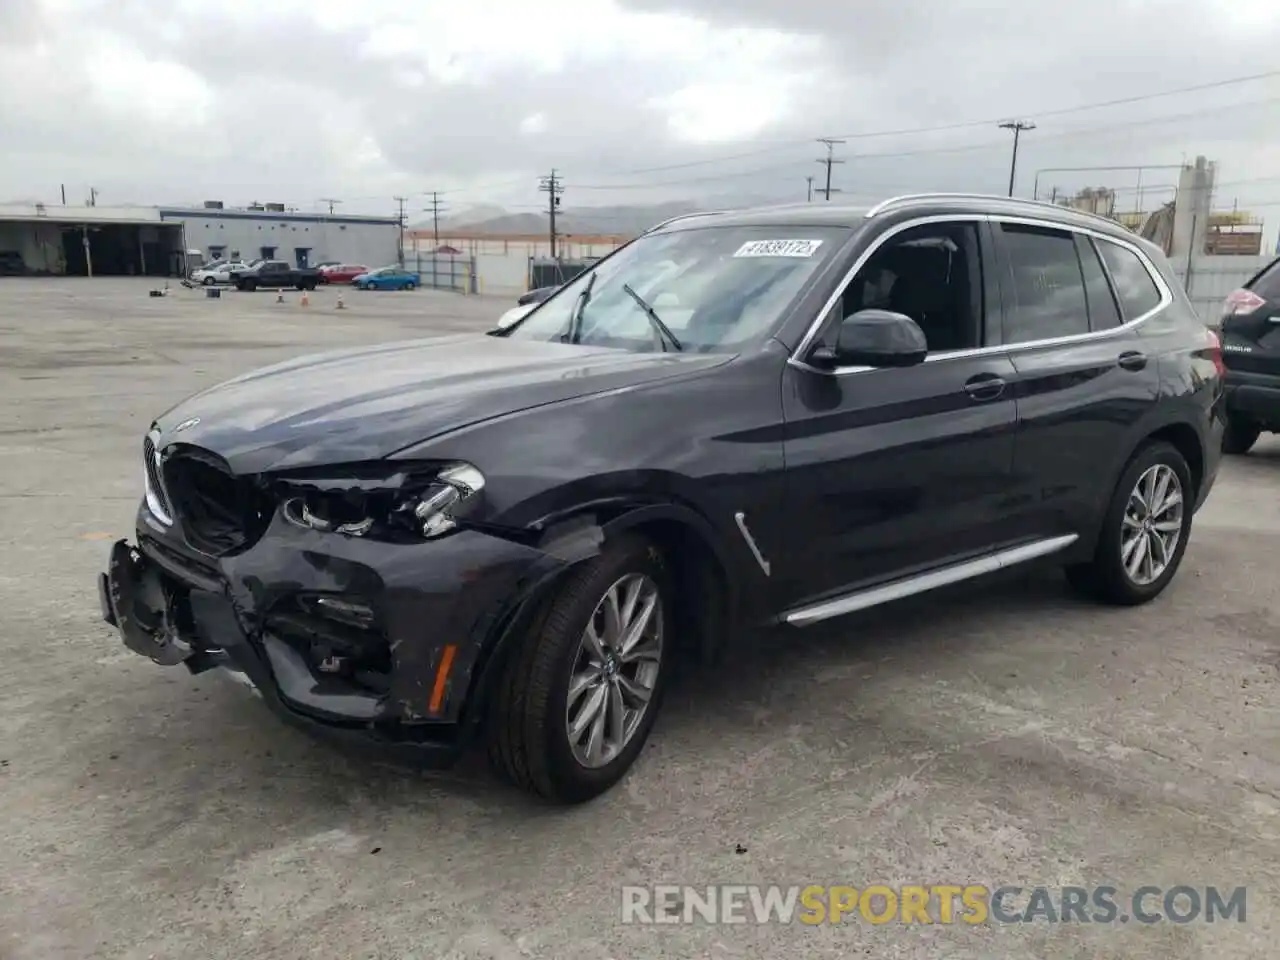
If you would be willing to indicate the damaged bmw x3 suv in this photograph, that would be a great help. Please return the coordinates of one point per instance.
(738, 419)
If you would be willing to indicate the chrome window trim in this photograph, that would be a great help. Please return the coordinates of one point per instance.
(1166, 294)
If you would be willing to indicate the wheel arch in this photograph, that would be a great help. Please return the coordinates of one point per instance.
(706, 590)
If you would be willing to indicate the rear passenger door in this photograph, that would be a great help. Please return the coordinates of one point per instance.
(1084, 376)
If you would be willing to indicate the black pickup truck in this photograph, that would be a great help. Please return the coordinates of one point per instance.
(277, 273)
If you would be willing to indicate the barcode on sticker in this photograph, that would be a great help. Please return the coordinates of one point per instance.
(778, 248)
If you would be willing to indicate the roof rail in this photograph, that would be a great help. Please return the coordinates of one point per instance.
(906, 198)
(685, 216)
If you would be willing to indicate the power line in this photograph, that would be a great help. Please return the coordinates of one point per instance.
(931, 151)
(553, 187)
(827, 162)
(963, 124)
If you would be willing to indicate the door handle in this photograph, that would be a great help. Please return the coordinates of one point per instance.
(1132, 360)
(984, 387)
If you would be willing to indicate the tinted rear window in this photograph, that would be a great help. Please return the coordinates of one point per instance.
(1138, 293)
(1267, 283)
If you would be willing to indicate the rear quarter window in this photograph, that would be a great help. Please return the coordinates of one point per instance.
(1136, 289)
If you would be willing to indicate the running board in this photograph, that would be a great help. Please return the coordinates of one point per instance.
(922, 583)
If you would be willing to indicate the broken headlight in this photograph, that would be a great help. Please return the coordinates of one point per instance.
(383, 503)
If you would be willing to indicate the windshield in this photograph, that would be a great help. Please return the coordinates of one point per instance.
(714, 288)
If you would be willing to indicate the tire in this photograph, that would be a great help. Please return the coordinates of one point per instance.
(409, 285)
(207, 281)
(1239, 436)
(1105, 578)
(249, 286)
(528, 724)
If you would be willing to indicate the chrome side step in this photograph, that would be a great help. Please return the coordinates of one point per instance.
(922, 583)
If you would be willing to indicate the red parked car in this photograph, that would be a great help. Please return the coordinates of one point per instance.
(342, 273)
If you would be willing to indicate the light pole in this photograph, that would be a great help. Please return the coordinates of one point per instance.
(1017, 126)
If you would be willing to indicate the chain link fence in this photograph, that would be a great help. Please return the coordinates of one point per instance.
(443, 271)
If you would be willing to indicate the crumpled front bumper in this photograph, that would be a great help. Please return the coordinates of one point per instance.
(444, 606)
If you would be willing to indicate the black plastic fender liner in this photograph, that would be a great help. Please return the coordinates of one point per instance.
(507, 629)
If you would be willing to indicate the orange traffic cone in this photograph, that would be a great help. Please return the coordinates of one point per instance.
(279, 298)
(306, 301)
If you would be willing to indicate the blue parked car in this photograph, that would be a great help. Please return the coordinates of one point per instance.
(387, 278)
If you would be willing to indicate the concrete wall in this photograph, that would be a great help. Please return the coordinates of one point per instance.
(1212, 278)
(40, 244)
(372, 242)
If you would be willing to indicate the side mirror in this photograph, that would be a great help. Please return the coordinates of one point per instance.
(874, 338)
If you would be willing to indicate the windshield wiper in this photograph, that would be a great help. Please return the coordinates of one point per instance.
(663, 330)
(575, 321)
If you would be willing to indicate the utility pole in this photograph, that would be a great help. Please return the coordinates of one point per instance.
(331, 203)
(1017, 126)
(809, 181)
(437, 206)
(93, 196)
(400, 236)
(552, 186)
(827, 162)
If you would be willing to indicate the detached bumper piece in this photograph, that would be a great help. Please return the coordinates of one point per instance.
(171, 622)
(135, 602)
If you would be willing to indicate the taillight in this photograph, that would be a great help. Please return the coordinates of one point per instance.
(1240, 302)
(1214, 353)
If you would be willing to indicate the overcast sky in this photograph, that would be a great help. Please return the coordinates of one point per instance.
(631, 100)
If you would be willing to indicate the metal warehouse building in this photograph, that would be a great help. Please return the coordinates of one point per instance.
(47, 239)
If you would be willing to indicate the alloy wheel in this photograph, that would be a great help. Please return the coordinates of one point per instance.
(1152, 525)
(615, 670)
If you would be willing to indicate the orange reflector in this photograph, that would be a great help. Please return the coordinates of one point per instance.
(442, 677)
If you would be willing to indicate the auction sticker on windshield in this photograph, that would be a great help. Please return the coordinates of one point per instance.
(778, 248)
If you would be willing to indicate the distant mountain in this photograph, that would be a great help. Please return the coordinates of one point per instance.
(608, 220)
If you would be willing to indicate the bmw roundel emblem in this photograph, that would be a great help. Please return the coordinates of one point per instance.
(186, 424)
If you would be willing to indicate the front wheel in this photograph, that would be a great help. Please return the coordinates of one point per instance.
(207, 281)
(1239, 436)
(579, 694)
(1145, 530)
(249, 285)
(409, 285)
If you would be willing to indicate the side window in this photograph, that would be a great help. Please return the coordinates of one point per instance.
(931, 273)
(1137, 291)
(1046, 285)
(1103, 312)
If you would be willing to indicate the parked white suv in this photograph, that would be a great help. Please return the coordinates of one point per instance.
(219, 271)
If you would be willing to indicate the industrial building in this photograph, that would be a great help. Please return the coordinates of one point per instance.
(48, 239)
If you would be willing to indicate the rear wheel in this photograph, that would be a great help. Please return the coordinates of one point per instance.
(580, 693)
(1145, 530)
(1239, 436)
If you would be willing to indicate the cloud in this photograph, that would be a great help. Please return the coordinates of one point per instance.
(630, 100)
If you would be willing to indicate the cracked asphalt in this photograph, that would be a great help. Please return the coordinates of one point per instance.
(1005, 735)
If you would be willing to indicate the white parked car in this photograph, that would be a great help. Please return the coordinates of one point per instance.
(220, 271)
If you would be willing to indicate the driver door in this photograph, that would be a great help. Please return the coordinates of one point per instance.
(893, 471)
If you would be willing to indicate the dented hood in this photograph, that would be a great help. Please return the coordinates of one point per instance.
(367, 403)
